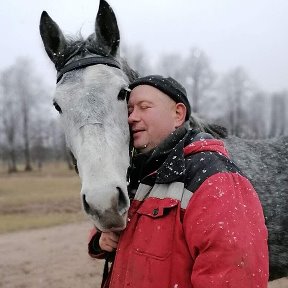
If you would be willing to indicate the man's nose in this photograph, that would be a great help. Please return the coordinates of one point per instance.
(133, 117)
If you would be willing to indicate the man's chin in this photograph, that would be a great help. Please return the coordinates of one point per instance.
(142, 148)
(140, 143)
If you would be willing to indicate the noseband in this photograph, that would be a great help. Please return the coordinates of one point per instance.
(84, 62)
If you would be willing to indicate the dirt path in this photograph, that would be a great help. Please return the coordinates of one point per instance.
(54, 258)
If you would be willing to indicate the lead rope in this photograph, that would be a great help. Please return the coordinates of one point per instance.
(132, 152)
(106, 271)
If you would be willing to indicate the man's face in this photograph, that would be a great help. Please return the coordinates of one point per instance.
(152, 117)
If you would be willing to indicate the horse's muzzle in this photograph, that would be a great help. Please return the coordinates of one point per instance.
(110, 219)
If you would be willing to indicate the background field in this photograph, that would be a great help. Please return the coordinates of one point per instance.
(39, 199)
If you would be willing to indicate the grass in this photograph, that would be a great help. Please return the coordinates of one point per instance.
(39, 199)
(14, 222)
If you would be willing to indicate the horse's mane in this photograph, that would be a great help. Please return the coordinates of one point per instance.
(216, 130)
(131, 74)
(79, 47)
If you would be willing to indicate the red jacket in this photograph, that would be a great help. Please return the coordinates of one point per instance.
(200, 224)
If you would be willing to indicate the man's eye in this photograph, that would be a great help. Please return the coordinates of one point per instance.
(57, 107)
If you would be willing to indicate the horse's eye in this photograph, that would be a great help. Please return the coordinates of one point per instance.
(57, 107)
(124, 94)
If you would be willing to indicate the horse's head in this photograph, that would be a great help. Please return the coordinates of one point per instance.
(90, 76)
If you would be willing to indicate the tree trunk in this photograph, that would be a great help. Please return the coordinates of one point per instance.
(195, 96)
(12, 166)
(27, 156)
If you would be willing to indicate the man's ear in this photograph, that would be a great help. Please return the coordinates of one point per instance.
(180, 114)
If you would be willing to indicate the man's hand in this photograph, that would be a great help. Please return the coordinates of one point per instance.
(108, 241)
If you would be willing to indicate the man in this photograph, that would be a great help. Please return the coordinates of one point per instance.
(195, 220)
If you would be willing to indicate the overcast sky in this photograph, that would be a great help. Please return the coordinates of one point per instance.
(248, 33)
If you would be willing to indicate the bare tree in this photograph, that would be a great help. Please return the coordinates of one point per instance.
(193, 72)
(39, 140)
(238, 89)
(29, 89)
(137, 58)
(23, 82)
(22, 95)
(199, 76)
(278, 114)
(171, 65)
(257, 111)
(10, 121)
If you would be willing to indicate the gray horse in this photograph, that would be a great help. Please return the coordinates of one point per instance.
(90, 76)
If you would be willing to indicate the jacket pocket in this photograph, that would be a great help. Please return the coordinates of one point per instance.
(154, 232)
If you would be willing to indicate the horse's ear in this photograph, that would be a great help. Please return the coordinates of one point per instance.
(106, 28)
(52, 37)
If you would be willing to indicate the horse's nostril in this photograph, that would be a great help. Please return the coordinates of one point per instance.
(121, 206)
(86, 205)
(122, 201)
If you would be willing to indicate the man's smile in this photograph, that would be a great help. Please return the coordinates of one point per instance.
(137, 131)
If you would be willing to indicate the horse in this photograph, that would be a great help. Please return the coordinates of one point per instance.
(92, 79)
(90, 74)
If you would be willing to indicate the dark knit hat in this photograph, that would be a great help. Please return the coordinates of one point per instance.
(169, 86)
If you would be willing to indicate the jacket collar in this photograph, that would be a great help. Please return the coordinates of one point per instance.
(144, 164)
(166, 163)
(173, 168)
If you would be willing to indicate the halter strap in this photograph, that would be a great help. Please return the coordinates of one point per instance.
(81, 63)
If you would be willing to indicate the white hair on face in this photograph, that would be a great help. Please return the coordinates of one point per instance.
(97, 132)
